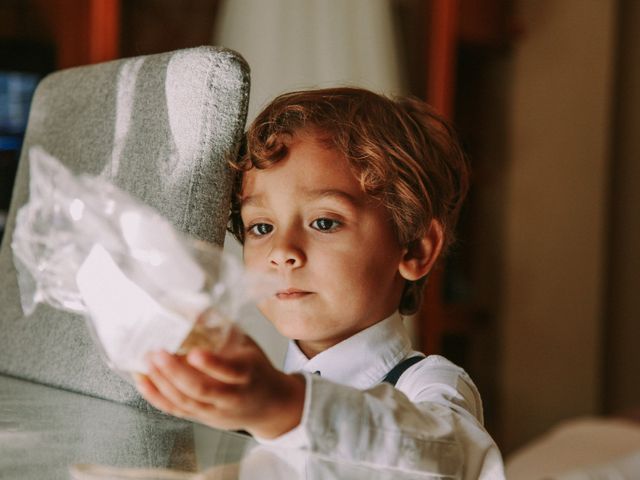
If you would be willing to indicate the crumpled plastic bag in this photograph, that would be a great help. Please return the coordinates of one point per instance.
(81, 244)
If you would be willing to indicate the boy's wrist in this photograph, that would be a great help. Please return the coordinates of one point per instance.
(286, 412)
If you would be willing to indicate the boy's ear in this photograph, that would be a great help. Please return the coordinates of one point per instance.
(420, 255)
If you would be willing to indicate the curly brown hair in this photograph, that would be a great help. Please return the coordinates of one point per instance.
(401, 151)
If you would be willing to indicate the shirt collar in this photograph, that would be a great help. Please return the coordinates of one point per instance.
(361, 360)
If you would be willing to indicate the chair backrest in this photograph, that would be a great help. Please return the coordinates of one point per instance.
(161, 127)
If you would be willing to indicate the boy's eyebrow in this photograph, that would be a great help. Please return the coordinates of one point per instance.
(335, 193)
(254, 200)
(258, 200)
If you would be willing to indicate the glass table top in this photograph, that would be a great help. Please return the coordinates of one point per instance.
(47, 433)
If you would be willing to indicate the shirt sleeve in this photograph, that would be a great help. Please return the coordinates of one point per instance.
(381, 427)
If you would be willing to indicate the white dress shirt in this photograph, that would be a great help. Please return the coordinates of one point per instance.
(431, 422)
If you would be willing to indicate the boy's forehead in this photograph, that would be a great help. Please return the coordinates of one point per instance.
(309, 171)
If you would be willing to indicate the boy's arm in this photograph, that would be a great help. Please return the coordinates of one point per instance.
(382, 427)
(235, 388)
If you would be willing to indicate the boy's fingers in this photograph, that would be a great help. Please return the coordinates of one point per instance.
(235, 372)
(151, 393)
(187, 386)
(155, 396)
(178, 391)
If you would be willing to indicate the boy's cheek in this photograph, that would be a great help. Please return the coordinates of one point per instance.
(250, 258)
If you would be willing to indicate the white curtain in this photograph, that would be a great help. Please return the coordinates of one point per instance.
(296, 44)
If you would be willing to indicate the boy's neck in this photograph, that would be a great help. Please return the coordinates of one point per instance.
(313, 348)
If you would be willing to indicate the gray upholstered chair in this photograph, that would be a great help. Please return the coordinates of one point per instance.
(159, 126)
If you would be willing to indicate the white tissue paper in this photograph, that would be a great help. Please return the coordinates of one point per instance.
(82, 245)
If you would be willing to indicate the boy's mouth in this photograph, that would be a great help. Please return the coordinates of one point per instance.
(291, 294)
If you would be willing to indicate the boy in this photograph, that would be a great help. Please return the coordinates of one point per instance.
(349, 198)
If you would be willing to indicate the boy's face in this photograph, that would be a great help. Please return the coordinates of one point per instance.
(307, 220)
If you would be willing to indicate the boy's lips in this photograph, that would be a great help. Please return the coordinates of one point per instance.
(292, 294)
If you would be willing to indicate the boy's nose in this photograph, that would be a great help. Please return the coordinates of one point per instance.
(286, 255)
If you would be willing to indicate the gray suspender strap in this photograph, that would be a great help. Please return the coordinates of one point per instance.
(395, 373)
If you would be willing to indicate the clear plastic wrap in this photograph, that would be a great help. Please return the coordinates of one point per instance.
(82, 245)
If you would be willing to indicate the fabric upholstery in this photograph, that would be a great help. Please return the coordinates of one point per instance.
(159, 126)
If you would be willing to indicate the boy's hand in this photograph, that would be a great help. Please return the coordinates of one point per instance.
(234, 388)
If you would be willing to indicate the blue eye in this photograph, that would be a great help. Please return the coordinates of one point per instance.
(325, 224)
(260, 229)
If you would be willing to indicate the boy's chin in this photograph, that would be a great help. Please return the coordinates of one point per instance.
(293, 332)
(298, 331)
(291, 316)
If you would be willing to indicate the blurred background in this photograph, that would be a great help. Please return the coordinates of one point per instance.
(539, 301)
